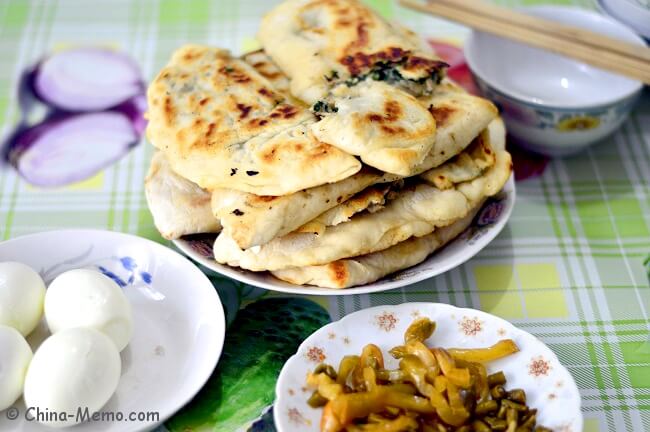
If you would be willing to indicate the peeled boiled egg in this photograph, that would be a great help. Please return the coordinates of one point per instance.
(15, 355)
(73, 368)
(21, 297)
(87, 298)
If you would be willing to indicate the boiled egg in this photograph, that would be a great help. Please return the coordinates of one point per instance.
(78, 367)
(87, 298)
(21, 297)
(15, 355)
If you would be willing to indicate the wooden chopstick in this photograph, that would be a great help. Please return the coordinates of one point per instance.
(613, 55)
(587, 37)
(544, 39)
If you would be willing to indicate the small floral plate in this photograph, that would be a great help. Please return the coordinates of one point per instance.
(179, 323)
(486, 226)
(548, 385)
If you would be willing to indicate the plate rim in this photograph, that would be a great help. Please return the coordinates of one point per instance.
(219, 312)
(285, 372)
(287, 288)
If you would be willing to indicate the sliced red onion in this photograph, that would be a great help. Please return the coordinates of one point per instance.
(70, 148)
(87, 79)
(134, 109)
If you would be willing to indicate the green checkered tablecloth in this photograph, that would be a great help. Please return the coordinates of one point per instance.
(567, 268)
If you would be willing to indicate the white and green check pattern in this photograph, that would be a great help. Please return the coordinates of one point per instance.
(567, 268)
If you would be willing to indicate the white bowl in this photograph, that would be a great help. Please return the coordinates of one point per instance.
(634, 13)
(487, 224)
(179, 324)
(548, 385)
(554, 105)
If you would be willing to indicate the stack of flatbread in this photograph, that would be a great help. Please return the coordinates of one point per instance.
(333, 157)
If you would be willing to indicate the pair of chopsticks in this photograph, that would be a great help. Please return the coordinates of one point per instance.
(601, 51)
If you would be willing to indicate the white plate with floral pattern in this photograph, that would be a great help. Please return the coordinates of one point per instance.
(486, 226)
(179, 323)
(535, 368)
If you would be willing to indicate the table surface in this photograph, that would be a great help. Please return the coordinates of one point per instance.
(568, 267)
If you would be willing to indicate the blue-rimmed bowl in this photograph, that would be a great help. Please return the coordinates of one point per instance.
(554, 105)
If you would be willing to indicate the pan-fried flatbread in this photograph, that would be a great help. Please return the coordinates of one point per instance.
(318, 43)
(467, 165)
(371, 199)
(392, 136)
(418, 211)
(477, 158)
(388, 128)
(460, 117)
(179, 207)
(370, 268)
(221, 124)
(252, 220)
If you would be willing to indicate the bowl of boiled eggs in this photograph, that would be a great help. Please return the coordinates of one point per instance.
(101, 331)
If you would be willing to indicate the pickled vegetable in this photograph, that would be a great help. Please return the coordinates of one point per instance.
(433, 390)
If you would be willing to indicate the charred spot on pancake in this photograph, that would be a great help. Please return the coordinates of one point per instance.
(339, 272)
(441, 114)
(204, 101)
(269, 155)
(233, 171)
(244, 110)
(415, 62)
(190, 56)
(392, 112)
(284, 111)
(396, 53)
(210, 130)
(392, 130)
(266, 198)
(242, 78)
(169, 111)
(258, 122)
(265, 92)
(252, 173)
(358, 61)
(235, 74)
(238, 212)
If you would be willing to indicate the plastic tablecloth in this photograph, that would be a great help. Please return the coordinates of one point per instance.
(568, 268)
